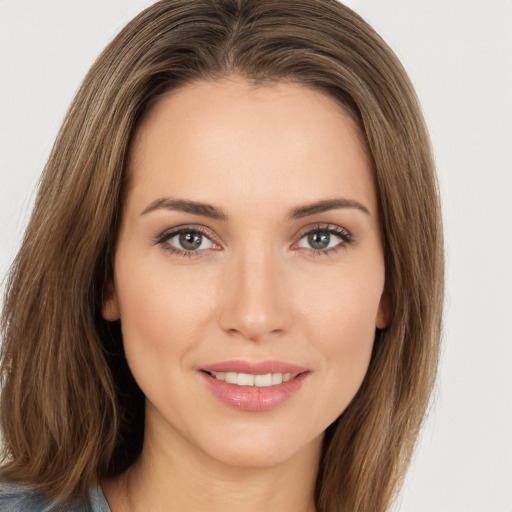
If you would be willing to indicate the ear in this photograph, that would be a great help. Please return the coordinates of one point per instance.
(110, 310)
(384, 311)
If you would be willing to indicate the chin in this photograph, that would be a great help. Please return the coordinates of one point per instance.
(263, 449)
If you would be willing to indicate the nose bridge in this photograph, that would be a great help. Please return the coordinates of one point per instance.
(253, 304)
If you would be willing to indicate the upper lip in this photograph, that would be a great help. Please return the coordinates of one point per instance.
(254, 367)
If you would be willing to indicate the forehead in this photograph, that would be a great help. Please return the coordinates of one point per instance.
(272, 142)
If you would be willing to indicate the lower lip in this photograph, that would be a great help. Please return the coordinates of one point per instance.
(253, 398)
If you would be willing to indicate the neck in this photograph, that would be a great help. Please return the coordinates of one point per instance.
(173, 476)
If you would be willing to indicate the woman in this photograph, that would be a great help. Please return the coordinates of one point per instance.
(229, 293)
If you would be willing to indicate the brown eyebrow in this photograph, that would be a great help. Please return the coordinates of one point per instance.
(326, 205)
(187, 206)
(207, 210)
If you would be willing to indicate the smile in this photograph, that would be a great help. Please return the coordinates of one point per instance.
(247, 379)
(254, 387)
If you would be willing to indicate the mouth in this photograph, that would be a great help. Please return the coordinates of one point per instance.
(248, 379)
(254, 387)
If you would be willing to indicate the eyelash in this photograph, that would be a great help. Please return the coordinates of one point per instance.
(346, 239)
(167, 235)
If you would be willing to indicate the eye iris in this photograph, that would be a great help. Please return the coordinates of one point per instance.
(319, 240)
(190, 241)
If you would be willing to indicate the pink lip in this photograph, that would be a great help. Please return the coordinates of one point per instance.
(252, 398)
(254, 368)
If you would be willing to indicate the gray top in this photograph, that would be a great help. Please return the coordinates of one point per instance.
(16, 498)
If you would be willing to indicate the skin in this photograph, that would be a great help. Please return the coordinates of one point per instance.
(254, 290)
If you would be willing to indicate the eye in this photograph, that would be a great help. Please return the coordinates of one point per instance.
(190, 241)
(186, 241)
(324, 239)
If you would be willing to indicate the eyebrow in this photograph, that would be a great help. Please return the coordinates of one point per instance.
(324, 206)
(187, 206)
(212, 212)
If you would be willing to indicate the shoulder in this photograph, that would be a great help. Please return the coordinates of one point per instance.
(19, 498)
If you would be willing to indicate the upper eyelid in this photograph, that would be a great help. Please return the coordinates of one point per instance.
(204, 229)
(323, 227)
(170, 232)
(164, 238)
(213, 237)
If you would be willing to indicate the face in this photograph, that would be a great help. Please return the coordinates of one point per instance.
(249, 269)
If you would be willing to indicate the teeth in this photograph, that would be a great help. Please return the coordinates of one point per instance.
(230, 377)
(277, 378)
(263, 380)
(247, 379)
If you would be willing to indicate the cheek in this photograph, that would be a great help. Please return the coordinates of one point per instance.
(162, 310)
(346, 335)
(341, 326)
(341, 311)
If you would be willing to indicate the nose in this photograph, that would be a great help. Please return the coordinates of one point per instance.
(254, 305)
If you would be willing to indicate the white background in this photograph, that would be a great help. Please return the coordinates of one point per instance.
(459, 56)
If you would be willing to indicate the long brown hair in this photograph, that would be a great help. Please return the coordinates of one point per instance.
(70, 410)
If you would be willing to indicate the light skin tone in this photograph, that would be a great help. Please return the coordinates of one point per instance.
(250, 232)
